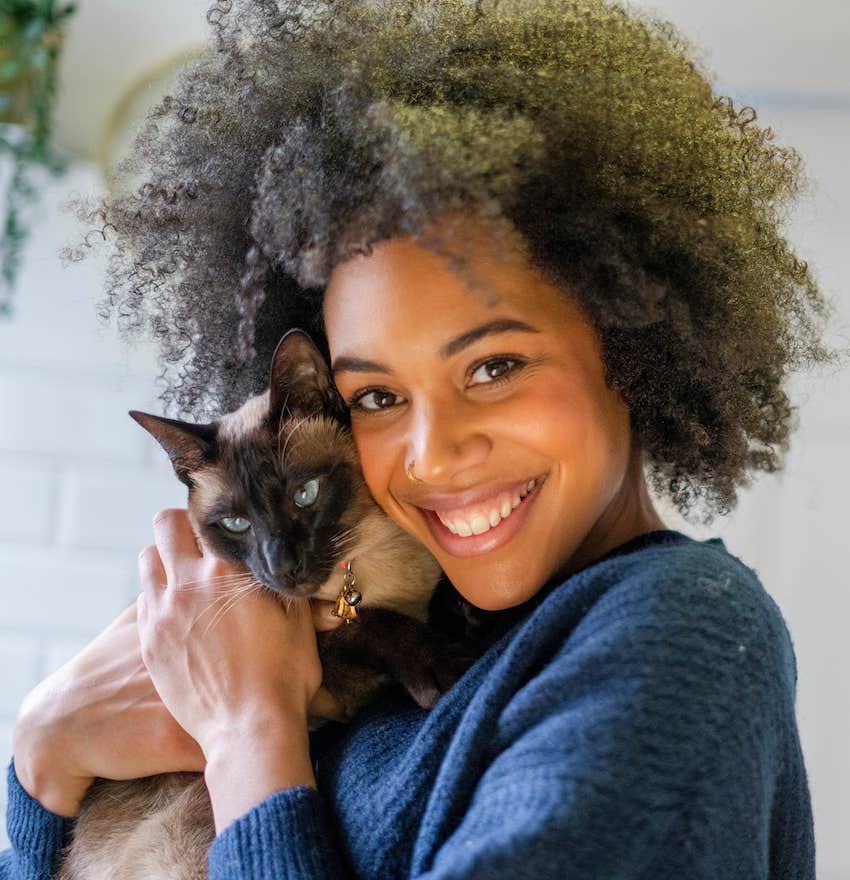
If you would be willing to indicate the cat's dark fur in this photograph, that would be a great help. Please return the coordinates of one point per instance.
(251, 464)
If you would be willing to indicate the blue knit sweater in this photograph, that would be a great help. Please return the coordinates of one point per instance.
(637, 721)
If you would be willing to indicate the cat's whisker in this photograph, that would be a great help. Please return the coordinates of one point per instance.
(341, 551)
(289, 436)
(296, 446)
(284, 410)
(225, 606)
(343, 535)
(241, 594)
(345, 532)
(219, 604)
(224, 589)
(219, 577)
(343, 540)
(217, 587)
(224, 598)
(234, 578)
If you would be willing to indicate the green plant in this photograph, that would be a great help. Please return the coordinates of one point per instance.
(30, 42)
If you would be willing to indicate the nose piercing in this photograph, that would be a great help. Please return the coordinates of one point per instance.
(410, 474)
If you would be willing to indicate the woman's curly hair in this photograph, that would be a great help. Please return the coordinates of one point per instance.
(310, 129)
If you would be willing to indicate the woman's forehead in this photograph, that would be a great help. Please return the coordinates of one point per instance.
(403, 287)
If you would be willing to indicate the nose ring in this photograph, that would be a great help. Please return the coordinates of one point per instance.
(410, 475)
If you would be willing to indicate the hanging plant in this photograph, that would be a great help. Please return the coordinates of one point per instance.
(31, 34)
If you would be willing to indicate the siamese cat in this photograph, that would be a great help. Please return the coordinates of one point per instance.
(276, 487)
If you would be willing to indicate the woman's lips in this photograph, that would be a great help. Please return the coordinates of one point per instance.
(492, 539)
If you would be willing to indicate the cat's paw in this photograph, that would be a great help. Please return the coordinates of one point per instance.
(439, 673)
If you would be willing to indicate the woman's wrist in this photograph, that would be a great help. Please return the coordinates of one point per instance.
(39, 769)
(252, 760)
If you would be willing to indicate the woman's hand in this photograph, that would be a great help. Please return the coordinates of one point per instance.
(238, 670)
(222, 652)
(98, 715)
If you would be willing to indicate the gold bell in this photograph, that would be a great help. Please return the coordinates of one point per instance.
(348, 598)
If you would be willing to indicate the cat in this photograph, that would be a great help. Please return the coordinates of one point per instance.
(276, 486)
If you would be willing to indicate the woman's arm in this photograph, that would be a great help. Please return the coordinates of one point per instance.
(98, 715)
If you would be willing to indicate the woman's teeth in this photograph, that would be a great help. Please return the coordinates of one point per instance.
(483, 521)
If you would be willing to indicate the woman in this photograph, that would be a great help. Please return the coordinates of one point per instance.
(542, 256)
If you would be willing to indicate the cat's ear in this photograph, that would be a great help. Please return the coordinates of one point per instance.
(188, 445)
(301, 380)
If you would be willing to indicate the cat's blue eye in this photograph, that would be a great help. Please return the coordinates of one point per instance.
(236, 524)
(307, 494)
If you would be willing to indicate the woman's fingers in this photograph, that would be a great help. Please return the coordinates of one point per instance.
(151, 570)
(323, 617)
(124, 618)
(172, 532)
(324, 705)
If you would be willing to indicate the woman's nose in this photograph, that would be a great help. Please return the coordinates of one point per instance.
(444, 440)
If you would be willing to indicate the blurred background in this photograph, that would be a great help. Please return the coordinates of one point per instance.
(80, 482)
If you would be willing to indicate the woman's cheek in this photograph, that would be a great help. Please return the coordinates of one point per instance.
(375, 462)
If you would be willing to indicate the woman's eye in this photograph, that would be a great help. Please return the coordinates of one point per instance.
(305, 495)
(493, 369)
(236, 524)
(375, 400)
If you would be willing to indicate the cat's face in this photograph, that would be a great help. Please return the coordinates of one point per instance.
(286, 502)
(275, 485)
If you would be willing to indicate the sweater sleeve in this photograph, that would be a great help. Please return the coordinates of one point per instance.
(651, 746)
(37, 835)
(288, 836)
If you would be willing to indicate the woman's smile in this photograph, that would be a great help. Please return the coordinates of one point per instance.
(482, 526)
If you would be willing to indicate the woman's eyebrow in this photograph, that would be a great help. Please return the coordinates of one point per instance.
(498, 325)
(345, 364)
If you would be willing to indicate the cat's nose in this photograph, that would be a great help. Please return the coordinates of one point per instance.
(279, 559)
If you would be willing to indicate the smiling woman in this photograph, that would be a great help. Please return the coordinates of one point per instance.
(545, 262)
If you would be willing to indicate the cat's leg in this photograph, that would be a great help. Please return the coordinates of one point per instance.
(426, 662)
(352, 682)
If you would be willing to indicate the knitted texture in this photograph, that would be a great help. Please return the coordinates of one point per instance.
(37, 835)
(637, 722)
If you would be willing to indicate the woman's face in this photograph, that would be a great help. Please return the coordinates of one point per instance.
(495, 399)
